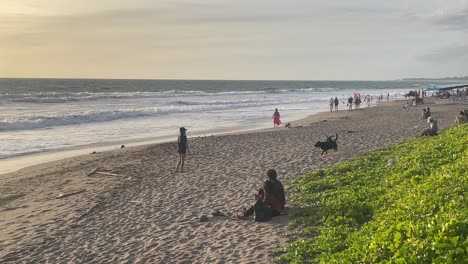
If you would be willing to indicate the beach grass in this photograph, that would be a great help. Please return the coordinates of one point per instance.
(402, 204)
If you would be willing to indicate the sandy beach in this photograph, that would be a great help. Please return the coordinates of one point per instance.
(140, 211)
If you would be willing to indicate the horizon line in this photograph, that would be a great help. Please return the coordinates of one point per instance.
(279, 80)
(180, 79)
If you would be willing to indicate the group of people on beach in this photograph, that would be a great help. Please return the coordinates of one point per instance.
(354, 100)
(269, 200)
(334, 103)
(426, 114)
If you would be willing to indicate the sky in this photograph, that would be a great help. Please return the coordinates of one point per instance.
(241, 39)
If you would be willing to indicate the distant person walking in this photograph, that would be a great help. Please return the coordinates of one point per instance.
(368, 100)
(357, 102)
(350, 103)
(276, 118)
(337, 102)
(331, 103)
(182, 149)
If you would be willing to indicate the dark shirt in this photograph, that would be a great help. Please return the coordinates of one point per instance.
(182, 144)
(274, 194)
(279, 190)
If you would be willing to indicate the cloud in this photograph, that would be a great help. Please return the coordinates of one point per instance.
(452, 19)
(447, 54)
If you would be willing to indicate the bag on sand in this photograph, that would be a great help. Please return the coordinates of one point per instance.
(262, 212)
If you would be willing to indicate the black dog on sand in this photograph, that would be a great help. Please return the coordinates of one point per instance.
(327, 145)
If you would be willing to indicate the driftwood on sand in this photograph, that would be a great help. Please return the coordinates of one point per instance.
(95, 171)
(86, 213)
(107, 173)
(62, 195)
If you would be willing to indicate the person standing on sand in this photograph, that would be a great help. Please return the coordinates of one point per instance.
(368, 100)
(276, 118)
(182, 149)
(350, 103)
(337, 102)
(330, 103)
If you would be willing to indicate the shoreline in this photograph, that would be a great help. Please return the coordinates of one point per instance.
(145, 212)
(15, 163)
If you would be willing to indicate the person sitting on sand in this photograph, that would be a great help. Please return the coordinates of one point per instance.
(461, 118)
(274, 193)
(428, 110)
(433, 129)
(276, 190)
(261, 209)
(182, 149)
(424, 114)
(405, 106)
(269, 201)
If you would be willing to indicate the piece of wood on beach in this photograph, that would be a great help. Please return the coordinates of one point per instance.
(107, 173)
(62, 195)
(93, 171)
(13, 208)
(86, 213)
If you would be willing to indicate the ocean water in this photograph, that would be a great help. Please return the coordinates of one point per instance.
(38, 115)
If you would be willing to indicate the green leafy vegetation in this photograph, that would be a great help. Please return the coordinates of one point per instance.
(403, 204)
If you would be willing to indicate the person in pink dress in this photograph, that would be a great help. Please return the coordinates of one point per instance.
(276, 118)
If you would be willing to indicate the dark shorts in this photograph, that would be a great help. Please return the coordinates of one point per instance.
(182, 151)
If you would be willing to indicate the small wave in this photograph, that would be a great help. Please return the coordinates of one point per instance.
(40, 122)
(56, 97)
(104, 115)
(72, 97)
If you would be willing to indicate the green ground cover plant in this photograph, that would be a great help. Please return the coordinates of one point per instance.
(403, 204)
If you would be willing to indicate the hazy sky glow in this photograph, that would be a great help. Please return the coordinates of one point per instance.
(242, 39)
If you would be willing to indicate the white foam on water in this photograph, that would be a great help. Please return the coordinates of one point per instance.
(34, 122)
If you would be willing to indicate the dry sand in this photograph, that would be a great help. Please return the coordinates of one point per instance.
(149, 214)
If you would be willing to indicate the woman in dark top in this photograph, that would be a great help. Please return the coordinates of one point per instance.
(274, 192)
(182, 148)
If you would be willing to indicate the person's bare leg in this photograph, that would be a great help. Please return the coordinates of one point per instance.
(178, 162)
(182, 161)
